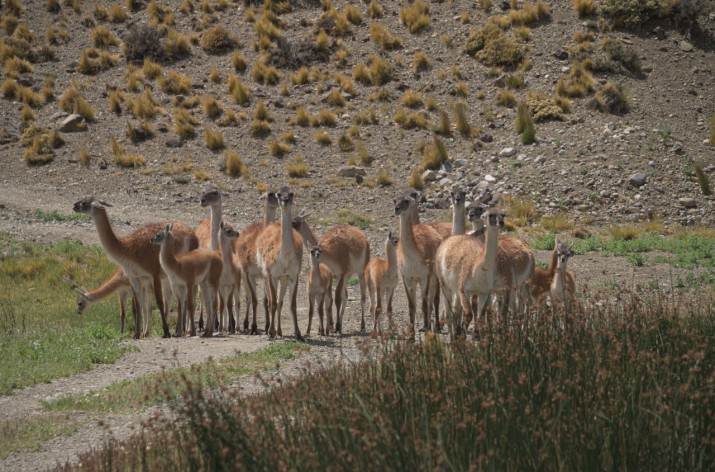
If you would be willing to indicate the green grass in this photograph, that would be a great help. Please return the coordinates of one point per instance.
(55, 215)
(41, 336)
(27, 434)
(138, 394)
(687, 250)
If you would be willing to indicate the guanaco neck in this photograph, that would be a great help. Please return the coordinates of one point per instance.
(107, 238)
(286, 232)
(553, 263)
(407, 235)
(414, 212)
(308, 234)
(226, 249)
(114, 283)
(557, 284)
(269, 213)
(167, 256)
(391, 256)
(314, 270)
(215, 225)
(458, 218)
(491, 243)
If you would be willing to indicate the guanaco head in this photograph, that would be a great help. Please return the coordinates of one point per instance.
(413, 193)
(314, 254)
(285, 197)
(162, 235)
(494, 218)
(82, 299)
(228, 231)
(563, 252)
(402, 204)
(210, 196)
(271, 197)
(475, 211)
(457, 195)
(87, 204)
(299, 220)
(392, 239)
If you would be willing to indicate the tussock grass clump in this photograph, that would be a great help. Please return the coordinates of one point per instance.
(151, 69)
(585, 7)
(361, 73)
(506, 98)
(215, 76)
(176, 45)
(175, 83)
(335, 98)
(626, 56)
(239, 61)
(261, 120)
(611, 98)
(525, 123)
(382, 37)
(352, 13)
(93, 61)
(543, 108)
(301, 76)
(625, 232)
(346, 143)
(239, 92)
(39, 152)
(421, 61)
(214, 140)
(298, 168)
(415, 180)
(703, 179)
(211, 107)
(9, 88)
(142, 41)
(410, 120)
(122, 159)
(494, 47)
(102, 37)
(117, 14)
(530, 13)
(327, 118)
(216, 40)
(444, 127)
(381, 72)
(15, 66)
(235, 166)
(434, 155)
(28, 96)
(265, 75)
(52, 6)
(83, 157)
(633, 13)
(521, 211)
(323, 138)
(580, 82)
(461, 118)
(461, 90)
(140, 131)
(415, 17)
(143, 106)
(712, 130)
(184, 123)
(27, 116)
(303, 117)
(557, 223)
(412, 99)
(384, 179)
(72, 101)
(278, 148)
(374, 9)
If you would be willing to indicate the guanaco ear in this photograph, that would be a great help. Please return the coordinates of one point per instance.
(221, 225)
(389, 235)
(169, 226)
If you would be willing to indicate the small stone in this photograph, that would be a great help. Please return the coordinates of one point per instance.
(561, 55)
(474, 182)
(521, 157)
(507, 152)
(351, 171)
(637, 180)
(459, 162)
(685, 46)
(490, 178)
(71, 123)
(429, 176)
(604, 194)
(659, 33)
(445, 182)
(688, 202)
(540, 160)
(173, 141)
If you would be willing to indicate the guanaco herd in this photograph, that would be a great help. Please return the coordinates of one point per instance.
(470, 269)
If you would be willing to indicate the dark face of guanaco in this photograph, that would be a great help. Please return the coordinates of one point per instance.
(495, 218)
(210, 196)
(285, 197)
(458, 196)
(394, 240)
(402, 204)
(475, 212)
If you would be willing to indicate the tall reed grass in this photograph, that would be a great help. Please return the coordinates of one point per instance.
(627, 383)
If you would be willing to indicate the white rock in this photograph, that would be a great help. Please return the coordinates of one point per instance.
(507, 152)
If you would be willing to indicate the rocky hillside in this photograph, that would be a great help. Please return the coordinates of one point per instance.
(597, 111)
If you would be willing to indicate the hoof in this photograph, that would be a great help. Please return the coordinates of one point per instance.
(338, 328)
(178, 335)
(300, 338)
(245, 326)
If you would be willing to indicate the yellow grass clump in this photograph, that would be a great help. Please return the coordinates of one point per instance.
(415, 17)
(298, 168)
(234, 164)
(382, 37)
(214, 140)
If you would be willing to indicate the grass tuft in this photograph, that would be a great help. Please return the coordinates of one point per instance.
(102, 37)
(298, 168)
(415, 17)
(216, 40)
(703, 179)
(525, 123)
(214, 140)
(234, 164)
(239, 92)
(175, 83)
(611, 98)
(434, 155)
(460, 113)
(382, 37)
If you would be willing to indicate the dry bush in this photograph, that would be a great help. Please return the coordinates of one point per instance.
(234, 164)
(327, 118)
(117, 14)
(175, 83)
(384, 179)
(421, 62)
(214, 140)
(323, 138)
(543, 108)
(412, 99)
(39, 152)
(382, 37)
(352, 13)
(260, 128)
(374, 9)
(611, 98)
(580, 82)
(93, 61)
(298, 168)
(300, 77)
(361, 73)
(83, 157)
(239, 61)
(211, 107)
(434, 155)
(216, 40)
(240, 93)
(9, 88)
(506, 98)
(444, 127)
(121, 158)
(151, 69)
(633, 13)
(415, 17)
(585, 7)
(712, 130)
(461, 90)
(486, 5)
(27, 116)
(703, 179)
(139, 132)
(187, 102)
(335, 98)
(302, 117)
(28, 96)
(176, 45)
(493, 47)
(347, 84)
(415, 180)
(346, 143)
(142, 41)
(15, 66)
(184, 123)
(261, 112)
(530, 13)
(562, 102)
(214, 76)
(624, 55)
(52, 6)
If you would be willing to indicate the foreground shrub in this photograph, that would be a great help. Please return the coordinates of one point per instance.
(633, 13)
(625, 385)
